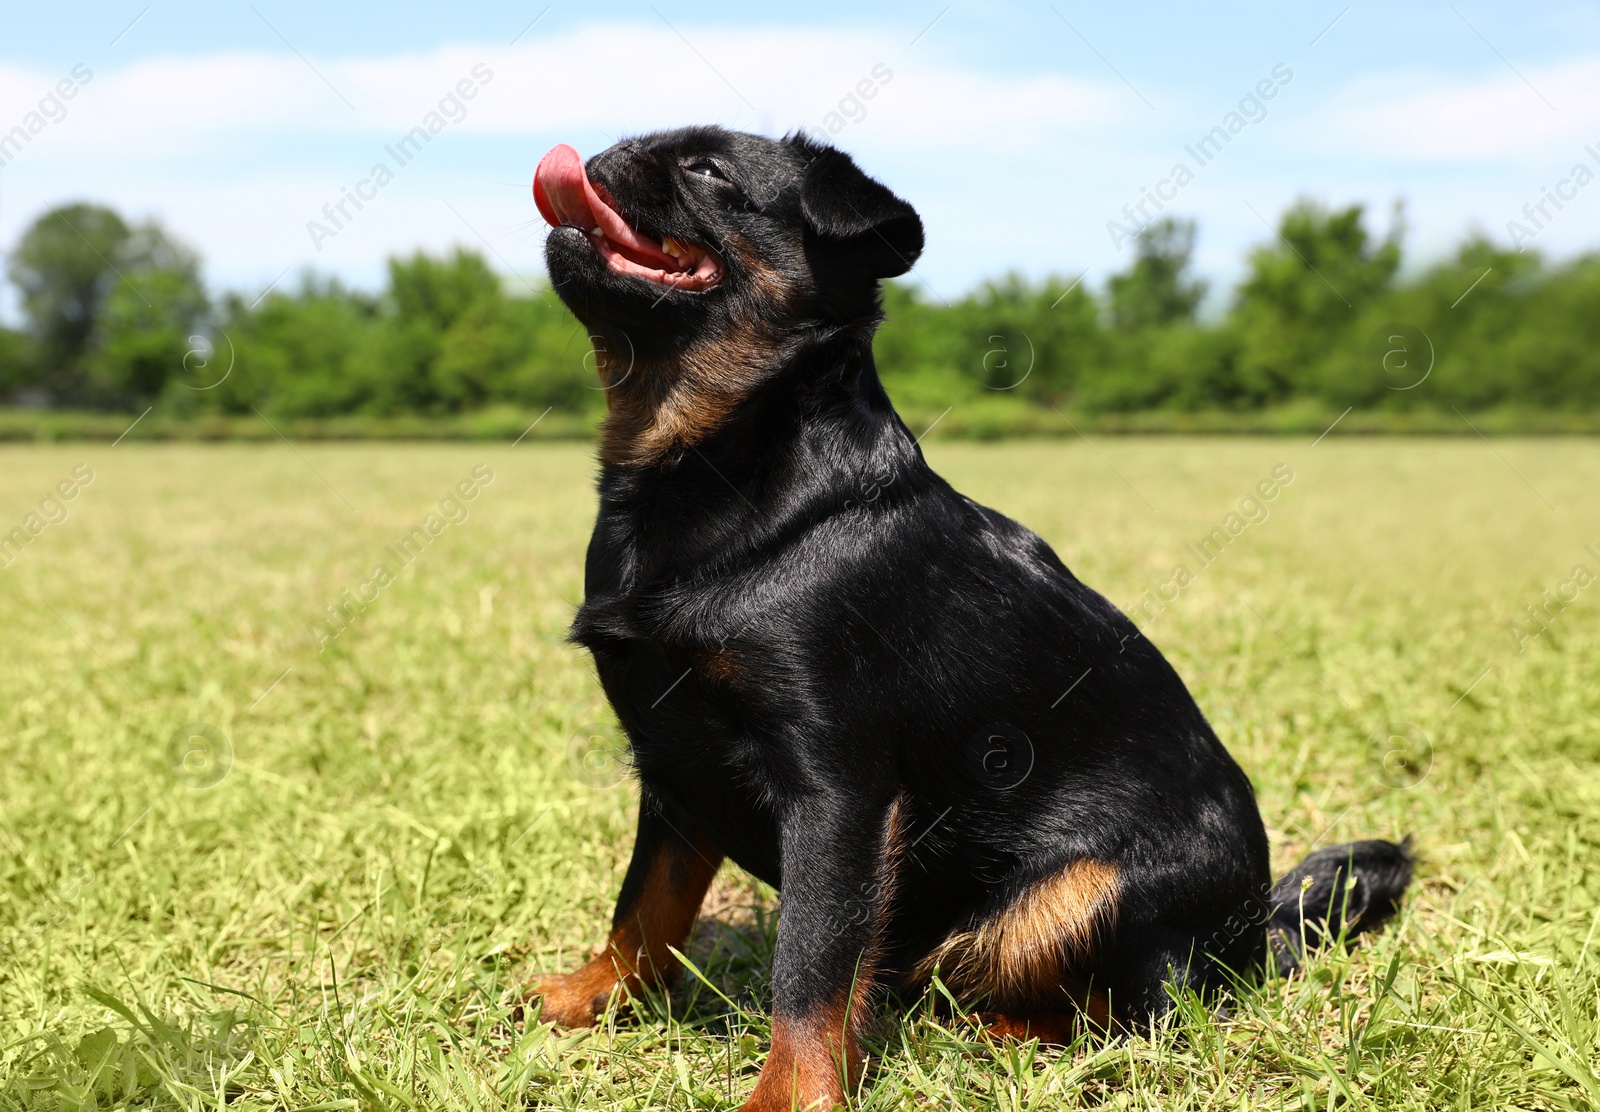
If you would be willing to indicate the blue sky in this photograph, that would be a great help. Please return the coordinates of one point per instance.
(1020, 131)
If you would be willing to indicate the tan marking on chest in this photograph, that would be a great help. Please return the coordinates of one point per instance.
(658, 407)
(721, 666)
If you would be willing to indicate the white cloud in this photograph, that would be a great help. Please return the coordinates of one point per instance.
(1437, 118)
(237, 151)
(758, 79)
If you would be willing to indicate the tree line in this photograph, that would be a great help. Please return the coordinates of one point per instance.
(117, 318)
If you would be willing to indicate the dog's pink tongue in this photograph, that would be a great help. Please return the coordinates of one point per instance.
(562, 191)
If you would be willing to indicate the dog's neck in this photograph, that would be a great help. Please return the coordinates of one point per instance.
(662, 405)
(820, 408)
(817, 442)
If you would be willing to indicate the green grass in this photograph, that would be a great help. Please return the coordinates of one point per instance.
(991, 417)
(430, 810)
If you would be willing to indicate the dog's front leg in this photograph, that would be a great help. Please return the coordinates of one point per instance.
(838, 863)
(667, 878)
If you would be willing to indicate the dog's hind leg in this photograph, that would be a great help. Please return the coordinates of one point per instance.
(1131, 989)
(661, 895)
(1091, 1010)
(1149, 966)
(1023, 957)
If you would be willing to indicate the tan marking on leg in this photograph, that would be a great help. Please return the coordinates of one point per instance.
(884, 887)
(636, 955)
(816, 1057)
(1025, 954)
(808, 1056)
(1053, 1028)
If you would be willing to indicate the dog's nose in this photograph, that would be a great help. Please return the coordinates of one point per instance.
(616, 162)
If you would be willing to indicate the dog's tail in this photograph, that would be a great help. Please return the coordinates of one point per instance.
(1351, 889)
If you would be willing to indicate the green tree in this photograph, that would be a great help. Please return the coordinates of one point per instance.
(64, 268)
(1552, 359)
(916, 352)
(19, 365)
(439, 292)
(1430, 344)
(292, 354)
(1303, 296)
(114, 312)
(1010, 338)
(149, 321)
(110, 307)
(1158, 357)
(1181, 366)
(428, 299)
(1158, 288)
(1036, 340)
(442, 338)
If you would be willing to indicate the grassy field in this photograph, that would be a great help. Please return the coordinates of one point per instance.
(992, 417)
(246, 861)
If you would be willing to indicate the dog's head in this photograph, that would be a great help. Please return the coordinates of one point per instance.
(677, 236)
(696, 258)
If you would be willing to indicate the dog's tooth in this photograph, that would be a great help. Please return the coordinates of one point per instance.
(671, 247)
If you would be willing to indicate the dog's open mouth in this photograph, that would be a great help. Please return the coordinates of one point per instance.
(565, 195)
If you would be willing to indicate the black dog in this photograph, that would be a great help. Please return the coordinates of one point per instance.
(892, 703)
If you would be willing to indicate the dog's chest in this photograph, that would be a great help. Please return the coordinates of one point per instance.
(689, 719)
(686, 669)
(661, 690)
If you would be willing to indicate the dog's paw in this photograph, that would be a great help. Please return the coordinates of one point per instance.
(774, 1100)
(570, 999)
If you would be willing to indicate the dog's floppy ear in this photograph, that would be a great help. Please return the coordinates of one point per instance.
(855, 216)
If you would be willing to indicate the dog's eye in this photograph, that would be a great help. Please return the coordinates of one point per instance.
(708, 169)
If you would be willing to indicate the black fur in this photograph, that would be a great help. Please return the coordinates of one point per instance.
(1311, 902)
(901, 662)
